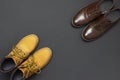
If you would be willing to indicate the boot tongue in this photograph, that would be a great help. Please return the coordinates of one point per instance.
(16, 60)
(24, 72)
(17, 55)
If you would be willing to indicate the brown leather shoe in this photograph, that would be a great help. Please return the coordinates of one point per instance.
(91, 12)
(101, 25)
(19, 53)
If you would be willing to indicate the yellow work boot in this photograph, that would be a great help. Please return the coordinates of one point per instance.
(32, 65)
(19, 53)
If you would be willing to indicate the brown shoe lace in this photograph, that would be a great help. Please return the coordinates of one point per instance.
(31, 67)
(16, 52)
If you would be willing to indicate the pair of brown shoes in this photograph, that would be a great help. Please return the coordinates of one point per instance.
(101, 15)
(20, 63)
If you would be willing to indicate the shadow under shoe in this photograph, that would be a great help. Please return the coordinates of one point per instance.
(19, 53)
(91, 12)
(101, 25)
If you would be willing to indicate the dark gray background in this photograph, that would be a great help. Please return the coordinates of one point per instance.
(73, 58)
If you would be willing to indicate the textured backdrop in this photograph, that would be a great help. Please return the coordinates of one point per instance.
(73, 59)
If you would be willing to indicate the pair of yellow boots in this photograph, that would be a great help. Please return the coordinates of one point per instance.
(19, 59)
